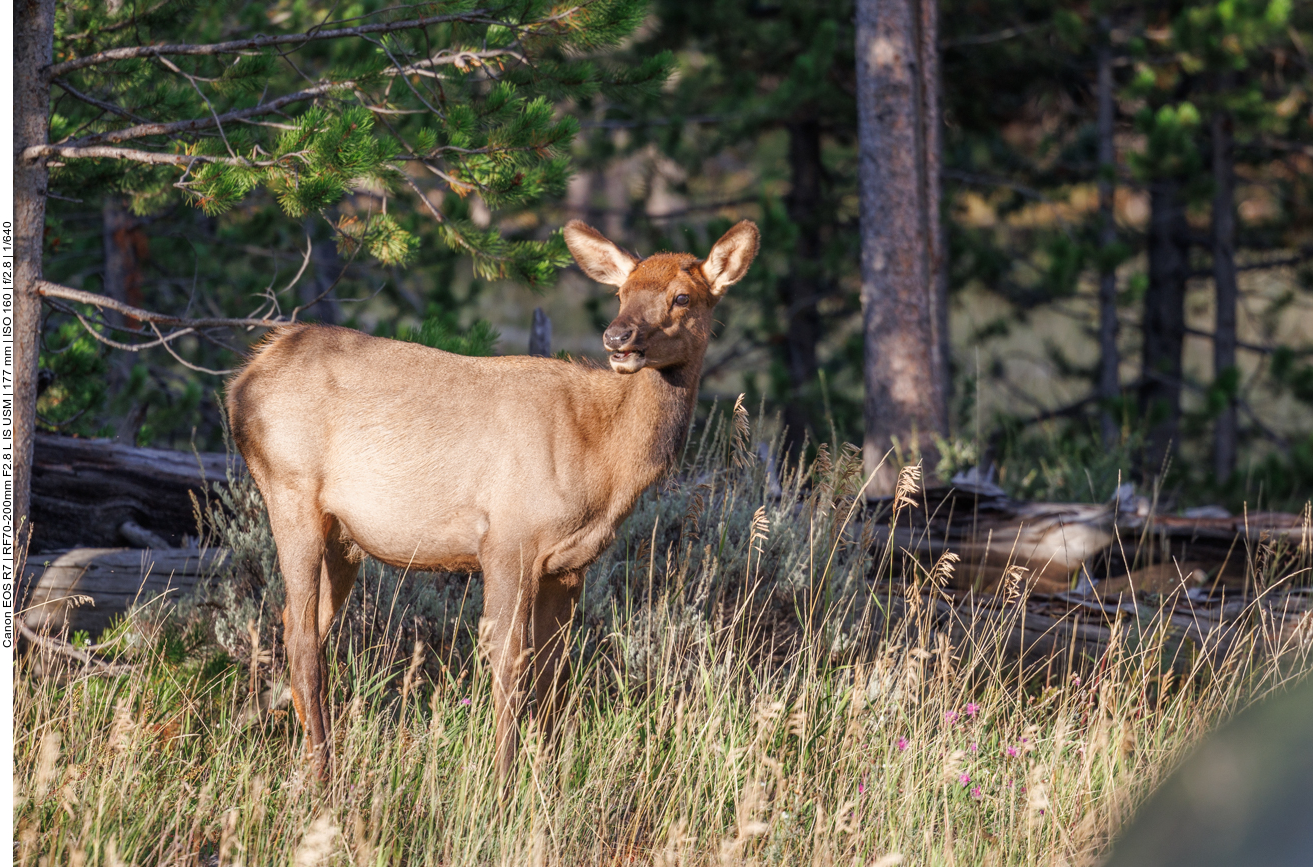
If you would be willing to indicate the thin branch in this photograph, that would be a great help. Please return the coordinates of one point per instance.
(437, 215)
(1251, 347)
(137, 156)
(118, 25)
(476, 16)
(997, 36)
(654, 121)
(993, 181)
(168, 347)
(66, 649)
(199, 123)
(54, 290)
(111, 342)
(91, 100)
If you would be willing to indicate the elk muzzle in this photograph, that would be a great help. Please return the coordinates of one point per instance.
(623, 340)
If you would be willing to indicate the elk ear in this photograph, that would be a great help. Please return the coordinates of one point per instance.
(728, 261)
(598, 257)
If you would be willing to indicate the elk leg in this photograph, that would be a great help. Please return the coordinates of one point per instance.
(504, 634)
(336, 579)
(300, 542)
(552, 612)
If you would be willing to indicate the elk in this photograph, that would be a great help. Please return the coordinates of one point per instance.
(518, 467)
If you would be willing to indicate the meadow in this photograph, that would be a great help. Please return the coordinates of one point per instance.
(754, 682)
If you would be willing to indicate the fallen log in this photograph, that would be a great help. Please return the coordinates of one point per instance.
(106, 494)
(84, 589)
(994, 535)
(1053, 546)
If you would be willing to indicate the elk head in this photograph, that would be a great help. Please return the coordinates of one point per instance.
(666, 299)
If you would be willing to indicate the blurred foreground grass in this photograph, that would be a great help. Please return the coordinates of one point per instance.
(743, 693)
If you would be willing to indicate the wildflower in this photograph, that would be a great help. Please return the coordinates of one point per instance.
(972, 709)
(975, 792)
(1075, 680)
(974, 747)
(861, 786)
(1012, 752)
(902, 744)
(964, 779)
(465, 700)
(950, 717)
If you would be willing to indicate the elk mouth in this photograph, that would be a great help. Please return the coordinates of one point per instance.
(628, 361)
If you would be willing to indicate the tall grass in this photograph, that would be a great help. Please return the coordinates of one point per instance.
(744, 691)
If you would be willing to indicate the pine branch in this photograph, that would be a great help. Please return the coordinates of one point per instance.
(137, 156)
(47, 289)
(145, 129)
(118, 25)
(91, 100)
(476, 16)
(196, 124)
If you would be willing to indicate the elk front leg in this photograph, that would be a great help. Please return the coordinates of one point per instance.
(504, 634)
(552, 612)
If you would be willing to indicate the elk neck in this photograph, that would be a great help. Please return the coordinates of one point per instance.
(653, 413)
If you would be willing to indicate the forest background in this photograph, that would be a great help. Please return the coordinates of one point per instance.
(711, 112)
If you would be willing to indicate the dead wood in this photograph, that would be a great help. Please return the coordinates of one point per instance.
(84, 492)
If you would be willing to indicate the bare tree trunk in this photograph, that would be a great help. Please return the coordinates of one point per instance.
(1224, 279)
(801, 288)
(1109, 359)
(1164, 320)
(327, 268)
(540, 334)
(120, 240)
(34, 29)
(902, 308)
(936, 231)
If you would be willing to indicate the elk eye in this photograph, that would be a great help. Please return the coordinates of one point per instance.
(681, 300)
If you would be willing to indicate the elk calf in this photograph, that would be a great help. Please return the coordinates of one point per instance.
(518, 467)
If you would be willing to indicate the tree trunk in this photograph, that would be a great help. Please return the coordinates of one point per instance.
(34, 30)
(898, 183)
(1164, 320)
(1225, 373)
(937, 233)
(1109, 359)
(802, 287)
(326, 268)
(124, 244)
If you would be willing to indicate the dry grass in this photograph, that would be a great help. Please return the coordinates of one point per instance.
(742, 694)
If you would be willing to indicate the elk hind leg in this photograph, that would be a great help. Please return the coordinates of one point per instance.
(299, 535)
(336, 578)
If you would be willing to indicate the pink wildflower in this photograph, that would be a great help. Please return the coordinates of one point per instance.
(975, 793)
(465, 700)
(974, 746)
(902, 744)
(1012, 752)
(972, 709)
(964, 779)
(950, 717)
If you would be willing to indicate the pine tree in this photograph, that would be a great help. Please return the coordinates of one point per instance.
(216, 105)
(903, 298)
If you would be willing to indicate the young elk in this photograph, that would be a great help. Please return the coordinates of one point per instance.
(518, 467)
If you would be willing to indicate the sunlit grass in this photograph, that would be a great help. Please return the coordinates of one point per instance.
(742, 693)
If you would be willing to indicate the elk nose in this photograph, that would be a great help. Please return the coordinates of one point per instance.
(617, 336)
